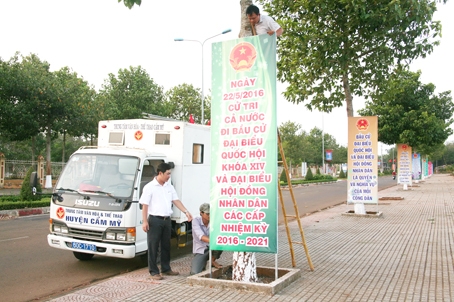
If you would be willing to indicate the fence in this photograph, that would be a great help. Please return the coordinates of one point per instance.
(17, 169)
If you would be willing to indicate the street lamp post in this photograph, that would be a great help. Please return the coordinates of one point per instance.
(201, 44)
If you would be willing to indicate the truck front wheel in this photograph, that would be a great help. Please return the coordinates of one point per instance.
(83, 256)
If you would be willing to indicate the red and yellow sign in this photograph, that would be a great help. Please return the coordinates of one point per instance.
(60, 213)
(138, 135)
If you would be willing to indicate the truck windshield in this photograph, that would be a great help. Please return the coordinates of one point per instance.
(93, 173)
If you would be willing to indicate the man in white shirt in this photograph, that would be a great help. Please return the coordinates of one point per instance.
(263, 24)
(157, 198)
(201, 241)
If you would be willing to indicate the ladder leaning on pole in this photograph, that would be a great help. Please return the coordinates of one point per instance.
(297, 216)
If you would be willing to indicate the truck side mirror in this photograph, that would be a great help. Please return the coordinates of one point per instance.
(33, 182)
(171, 164)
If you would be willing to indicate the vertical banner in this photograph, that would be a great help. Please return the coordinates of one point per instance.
(404, 165)
(362, 159)
(244, 146)
(416, 164)
(426, 166)
(329, 155)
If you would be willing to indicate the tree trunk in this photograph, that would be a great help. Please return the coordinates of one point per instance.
(63, 147)
(348, 95)
(33, 140)
(244, 267)
(48, 142)
(244, 264)
(245, 27)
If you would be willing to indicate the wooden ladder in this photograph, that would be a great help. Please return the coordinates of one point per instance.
(297, 216)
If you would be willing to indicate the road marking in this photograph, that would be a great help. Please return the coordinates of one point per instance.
(17, 238)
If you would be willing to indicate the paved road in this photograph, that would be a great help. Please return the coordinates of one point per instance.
(32, 270)
(314, 198)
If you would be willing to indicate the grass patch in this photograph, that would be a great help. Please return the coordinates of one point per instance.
(302, 181)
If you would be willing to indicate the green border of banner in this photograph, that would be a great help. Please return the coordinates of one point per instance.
(244, 208)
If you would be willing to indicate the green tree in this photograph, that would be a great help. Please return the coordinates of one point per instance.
(410, 112)
(23, 150)
(22, 86)
(130, 3)
(292, 139)
(332, 50)
(32, 99)
(130, 94)
(340, 154)
(317, 141)
(447, 155)
(70, 144)
(35, 100)
(77, 96)
(183, 100)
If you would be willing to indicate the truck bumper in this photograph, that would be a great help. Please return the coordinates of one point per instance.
(102, 249)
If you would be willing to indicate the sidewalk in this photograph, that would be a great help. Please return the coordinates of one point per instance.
(404, 255)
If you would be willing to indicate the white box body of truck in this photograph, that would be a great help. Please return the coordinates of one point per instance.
(94, 208)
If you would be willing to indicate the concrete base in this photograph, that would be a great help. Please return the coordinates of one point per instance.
(368, 214)
(285, 277)
(391, 198)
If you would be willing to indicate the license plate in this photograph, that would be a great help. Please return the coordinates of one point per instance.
(84, 246)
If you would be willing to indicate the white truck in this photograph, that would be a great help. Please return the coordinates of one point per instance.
(94, 208)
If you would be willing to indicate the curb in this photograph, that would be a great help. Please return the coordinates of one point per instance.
(24, 212)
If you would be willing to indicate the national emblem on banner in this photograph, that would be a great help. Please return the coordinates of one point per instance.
(243, 56)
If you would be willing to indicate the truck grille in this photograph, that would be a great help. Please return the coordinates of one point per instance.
(86, 234)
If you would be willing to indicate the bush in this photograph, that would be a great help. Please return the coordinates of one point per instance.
(317, 172)
(10, 198)
(26, 193)
(9, 205)
(342, 174)
(283, 177)
(309, 175)
(322, 177)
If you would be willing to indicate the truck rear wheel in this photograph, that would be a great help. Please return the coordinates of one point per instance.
(83, 256)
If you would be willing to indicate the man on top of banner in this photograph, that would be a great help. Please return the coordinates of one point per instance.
(262, 24)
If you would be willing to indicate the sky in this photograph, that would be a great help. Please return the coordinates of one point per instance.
(98, 37)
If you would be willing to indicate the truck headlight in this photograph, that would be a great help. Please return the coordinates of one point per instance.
(110, 236)
(121, 234)
(58, 228)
